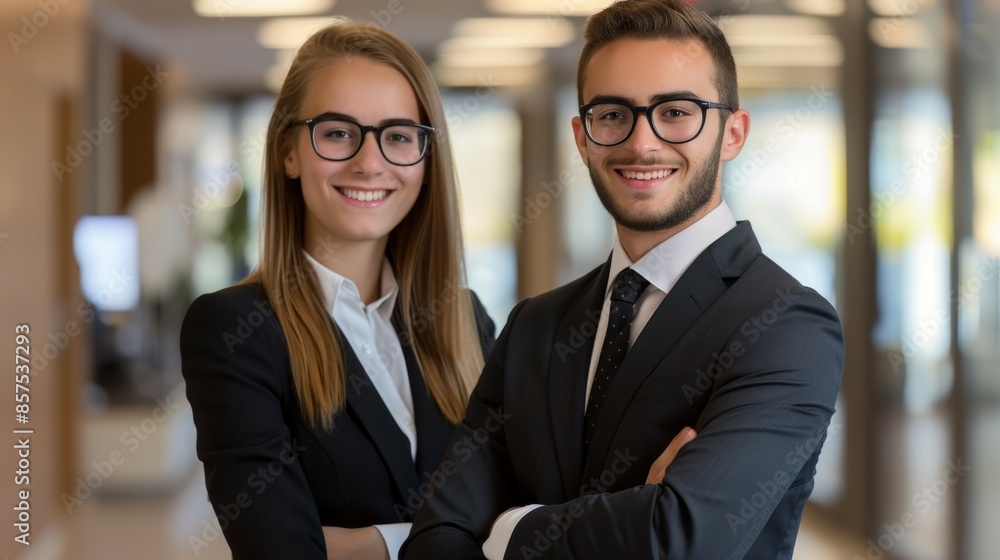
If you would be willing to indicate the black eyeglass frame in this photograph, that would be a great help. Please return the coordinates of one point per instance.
(377, 129)
(648, 110)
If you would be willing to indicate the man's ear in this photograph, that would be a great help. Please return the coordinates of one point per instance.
(735, 133)
(580, 135)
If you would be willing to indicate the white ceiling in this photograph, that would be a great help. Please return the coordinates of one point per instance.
(222, 55)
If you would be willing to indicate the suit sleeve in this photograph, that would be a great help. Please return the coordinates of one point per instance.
(255, 482)
(478, 484)
(760, 430)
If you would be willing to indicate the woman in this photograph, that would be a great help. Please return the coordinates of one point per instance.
(327, 385)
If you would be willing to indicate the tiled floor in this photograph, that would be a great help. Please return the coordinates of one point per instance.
(181, 527)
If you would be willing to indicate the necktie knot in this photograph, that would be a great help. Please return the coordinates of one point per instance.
(628, 285)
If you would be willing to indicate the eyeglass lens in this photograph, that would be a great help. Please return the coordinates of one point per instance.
(338, 140)
(674, 121)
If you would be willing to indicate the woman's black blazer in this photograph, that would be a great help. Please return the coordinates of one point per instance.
(272, 480)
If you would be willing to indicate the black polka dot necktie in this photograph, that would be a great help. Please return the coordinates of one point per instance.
(628, 285)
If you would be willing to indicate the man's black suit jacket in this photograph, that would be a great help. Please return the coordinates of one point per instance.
(273, 481)
(738, 350)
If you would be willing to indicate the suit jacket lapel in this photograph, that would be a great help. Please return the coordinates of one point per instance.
(698, 288)
(427, 417)
(569, 366)
(377, 421)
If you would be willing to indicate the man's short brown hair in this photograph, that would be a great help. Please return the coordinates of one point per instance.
(660, 19)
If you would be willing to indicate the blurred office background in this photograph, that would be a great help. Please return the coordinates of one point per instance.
(131, 151)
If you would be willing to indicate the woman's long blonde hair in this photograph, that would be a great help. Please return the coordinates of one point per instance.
(425, 249)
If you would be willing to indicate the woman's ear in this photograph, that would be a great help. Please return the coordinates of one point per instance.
(292, 170)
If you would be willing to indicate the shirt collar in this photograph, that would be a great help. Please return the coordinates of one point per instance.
(340, 290)
(665, 263)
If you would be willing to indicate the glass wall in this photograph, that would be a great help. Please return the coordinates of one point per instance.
(486, 141)
(910, 217)
(977, 294)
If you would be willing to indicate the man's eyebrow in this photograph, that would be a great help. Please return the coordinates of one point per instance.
(612, 99)
(666, 96)
(681, 94)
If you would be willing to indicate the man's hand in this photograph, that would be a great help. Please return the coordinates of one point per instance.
(355, 544)
(661, 463)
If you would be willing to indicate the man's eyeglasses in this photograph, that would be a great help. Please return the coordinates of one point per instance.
(673, 120)
(339, 139)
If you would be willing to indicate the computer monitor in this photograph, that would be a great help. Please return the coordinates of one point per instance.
(107, 251)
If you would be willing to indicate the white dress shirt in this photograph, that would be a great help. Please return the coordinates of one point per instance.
(663, 265)
(369, 331)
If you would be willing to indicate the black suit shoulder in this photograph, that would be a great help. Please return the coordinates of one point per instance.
(232, 322)
(765, 284)
(549, 307)
(485, 326)
(235, 365)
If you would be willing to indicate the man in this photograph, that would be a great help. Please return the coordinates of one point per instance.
(686, 324)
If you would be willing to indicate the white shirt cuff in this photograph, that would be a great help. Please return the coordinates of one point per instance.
(496, 546)
(394, 534)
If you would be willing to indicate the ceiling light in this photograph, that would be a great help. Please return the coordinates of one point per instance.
(783, 41)
(773, 26)
(290, 33)
(553, 8)
(260, 8)
(817, 7)
(514, 32)
(780, 57)
(490, 58)
(899, 33)
(895, 8)
(454, 76)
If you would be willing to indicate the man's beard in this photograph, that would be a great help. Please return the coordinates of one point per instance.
(695, 197)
